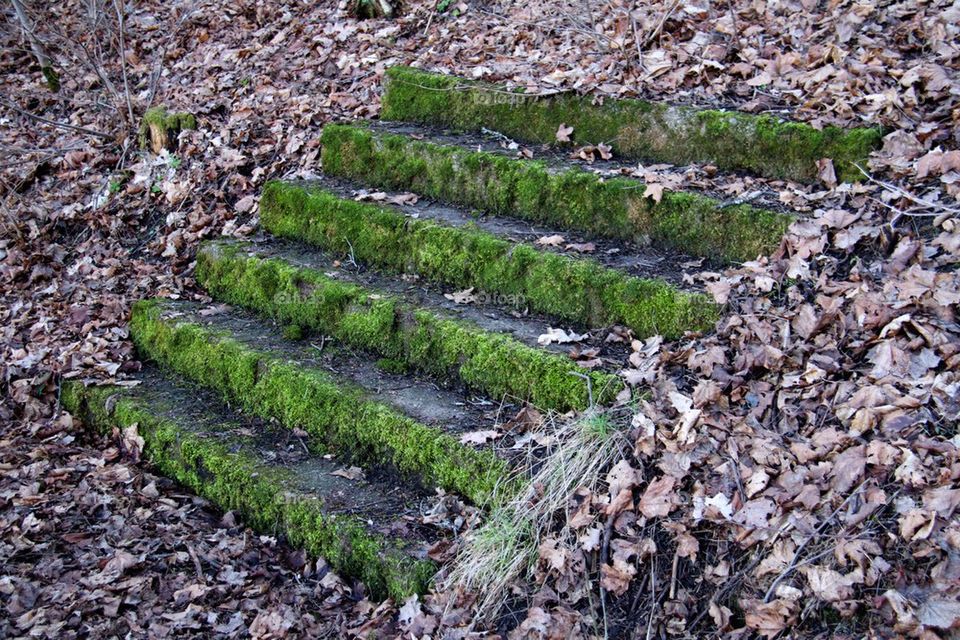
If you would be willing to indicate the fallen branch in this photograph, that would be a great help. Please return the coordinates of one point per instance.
(39, 51)
(795, 563)
(939, 208)
(63, 125)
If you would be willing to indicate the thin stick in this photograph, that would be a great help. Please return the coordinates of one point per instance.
(589, 385)
(816, 534)
(663, 21)
(673, 575)
(123, 61)
(64, 125)
(39, 51)
(604, 557)
(909, 196)
(653, 597)
(636, 38)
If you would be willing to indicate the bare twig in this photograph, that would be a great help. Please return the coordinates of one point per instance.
(736, 27)
(653, 598)
(636, 38)
(64, 125)
(815, 535)
(123, 60)
(663, 20)
(604, 558)
(39, 51)
(903, 193)
(589, 385)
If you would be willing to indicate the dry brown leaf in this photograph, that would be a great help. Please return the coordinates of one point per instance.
(653, 191)
(350, 473)
(658, 499)
(480, 437)
(551, 241)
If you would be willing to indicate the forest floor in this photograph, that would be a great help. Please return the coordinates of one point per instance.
(825, 402)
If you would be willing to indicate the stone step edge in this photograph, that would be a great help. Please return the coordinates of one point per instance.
(235, 480)
(636, 129)
(495, 364)
(335, 414)
(573, 198)
(578, 290)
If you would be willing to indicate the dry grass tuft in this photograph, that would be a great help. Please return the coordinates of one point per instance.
(504, 548)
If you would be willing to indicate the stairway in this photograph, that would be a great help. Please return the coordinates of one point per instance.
(326, 393)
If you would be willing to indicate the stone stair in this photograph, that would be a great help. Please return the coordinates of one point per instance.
(336, 340)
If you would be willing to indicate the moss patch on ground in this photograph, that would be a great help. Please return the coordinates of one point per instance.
(335, 414)
(401, 333)
(574, 289)
(576, 199)
(636, 129)
(235, 480)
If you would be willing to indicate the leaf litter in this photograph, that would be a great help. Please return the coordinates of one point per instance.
(795, 469)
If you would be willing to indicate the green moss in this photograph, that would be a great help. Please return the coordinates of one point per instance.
(336, 414)
(160, 128)
(160, 117)
(575, 289)
(405, 336)
(51, 77)
(226, 474)
(392, 365)
(575, 199)
(635, 129)
(293, 332)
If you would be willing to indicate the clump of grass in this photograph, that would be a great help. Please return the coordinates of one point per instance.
(504, 548)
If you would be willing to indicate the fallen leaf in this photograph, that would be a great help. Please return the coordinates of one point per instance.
(479, 437)
(658, 499)
(462, 297)
(559, 336)
(551, 241)
(563, 133)
(351, 473)
(826, 173)
(653, 191)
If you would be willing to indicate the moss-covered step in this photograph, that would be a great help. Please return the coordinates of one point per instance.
(348, 410)
(635, 129)
(566, 197)
(574, 289)
(363, 528)
(269, 281)
(492, 313)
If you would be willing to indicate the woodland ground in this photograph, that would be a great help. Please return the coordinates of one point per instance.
(803, 457)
